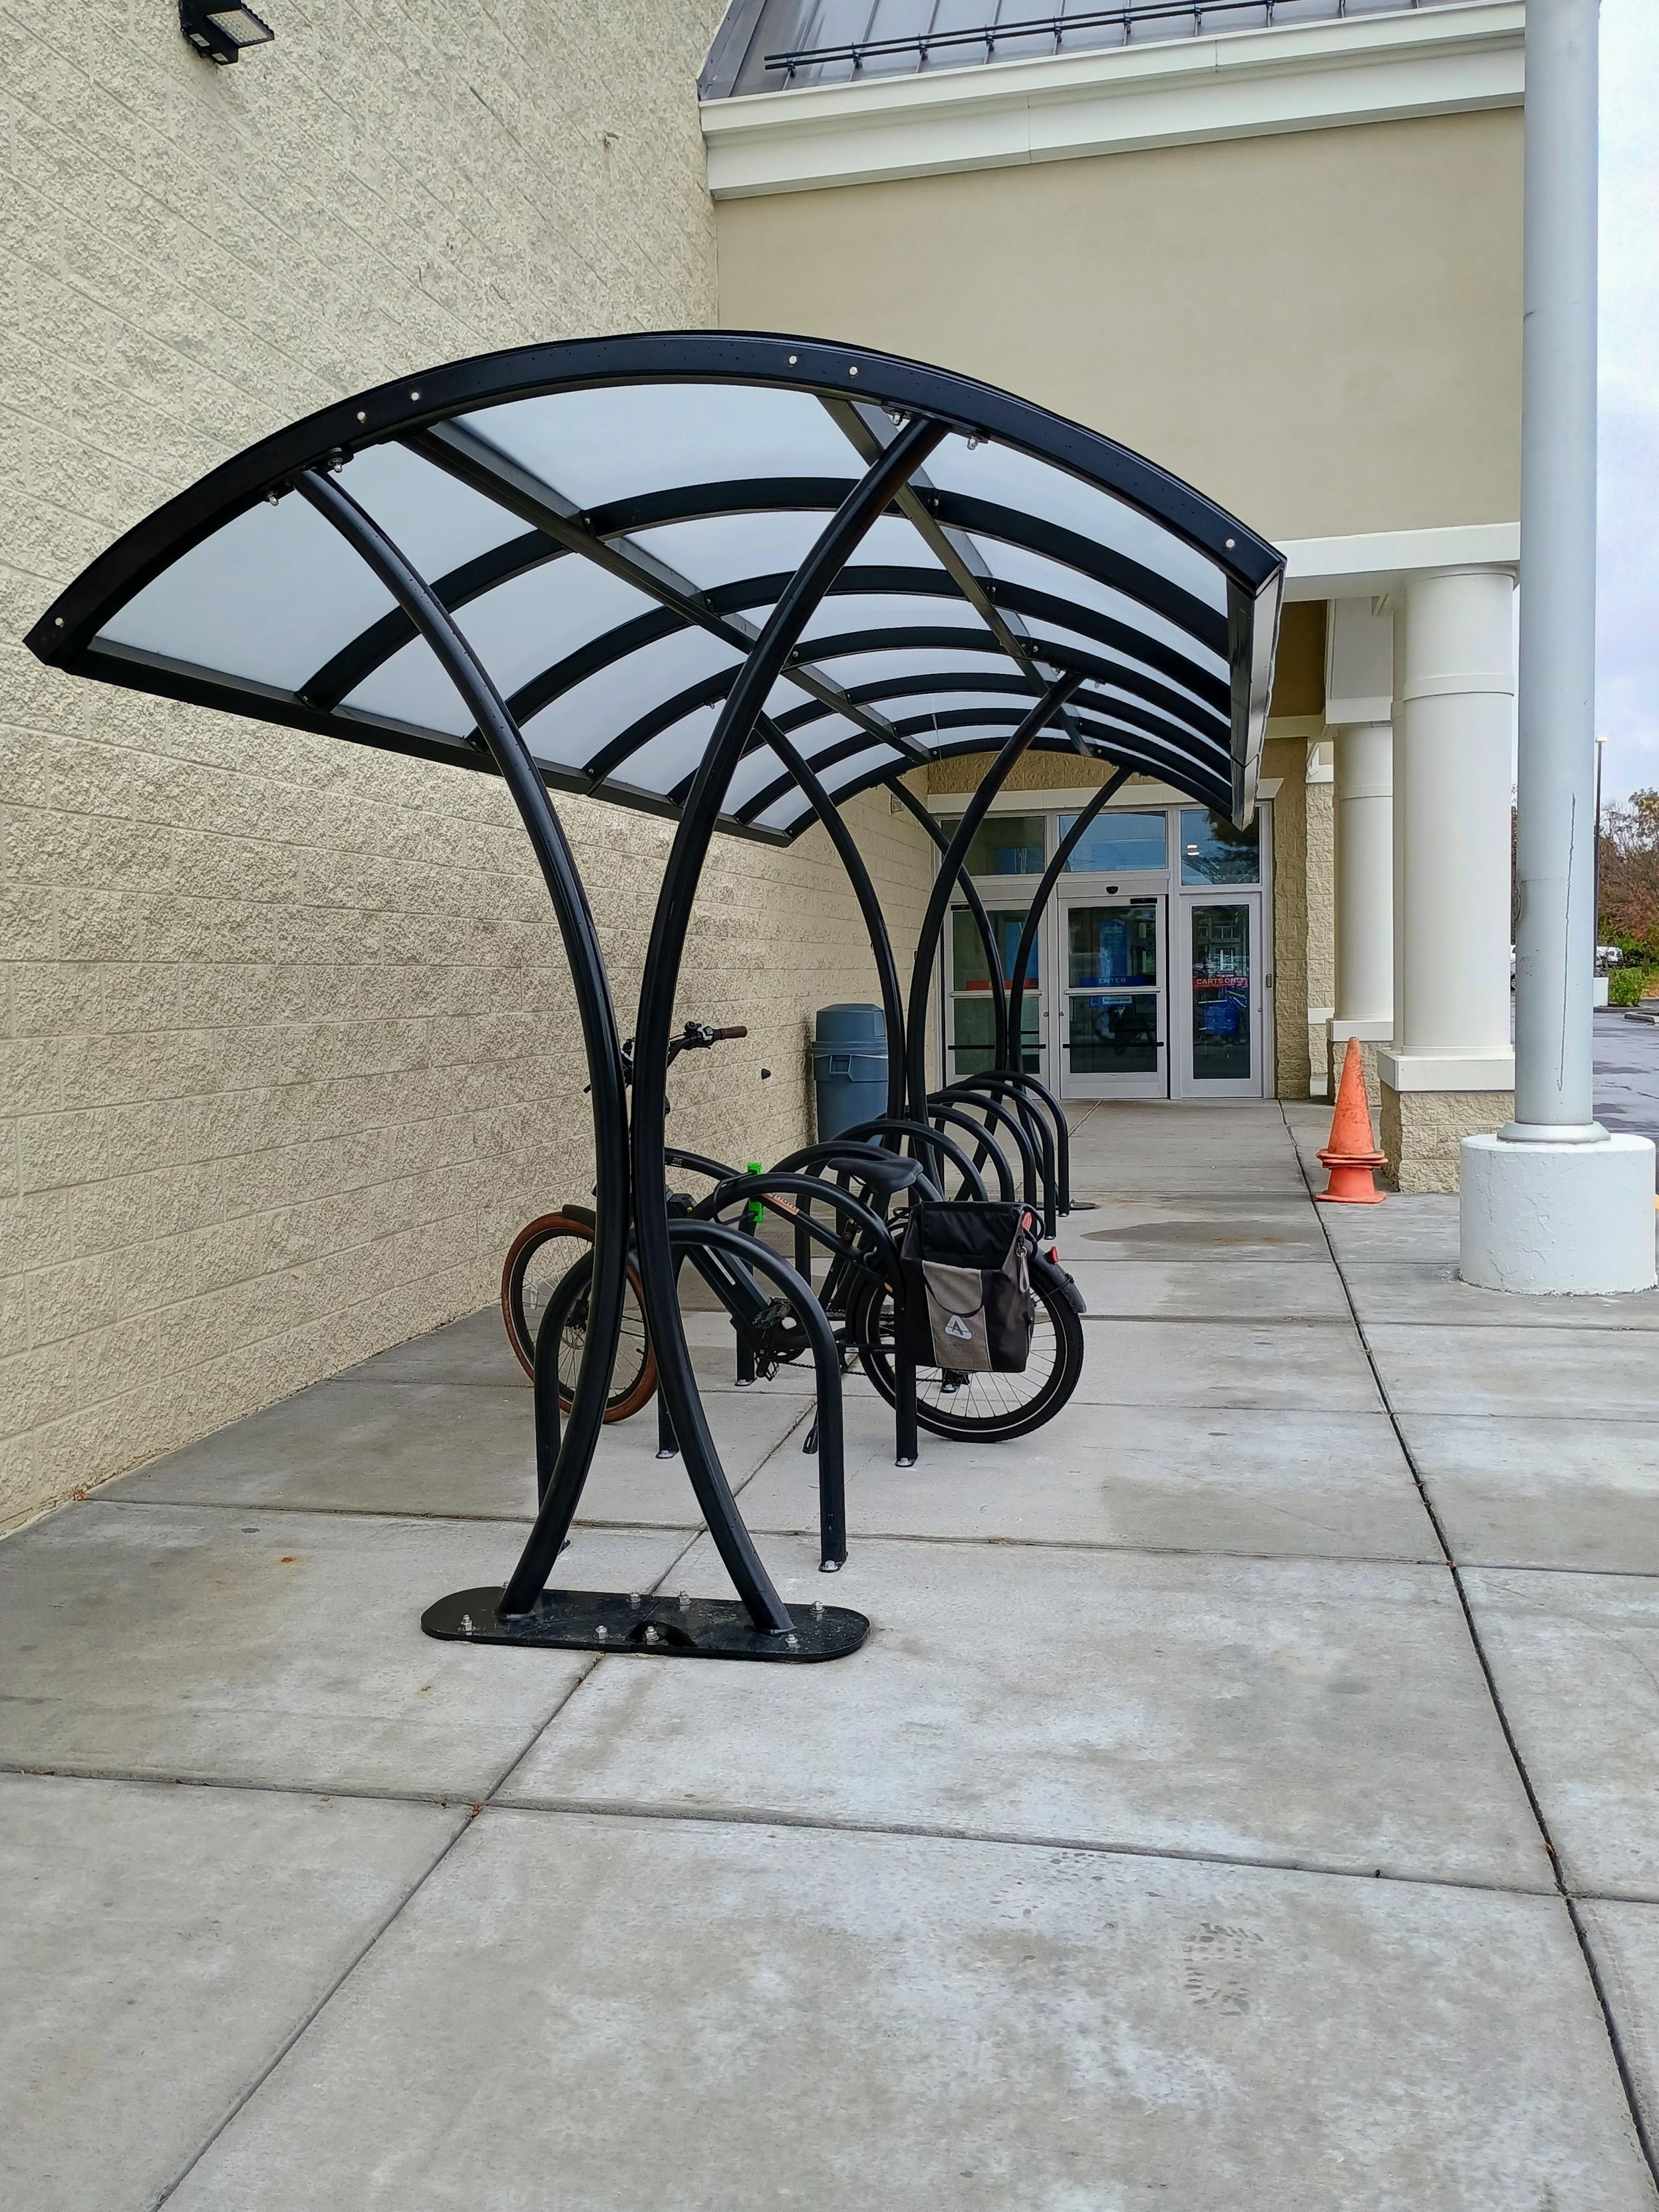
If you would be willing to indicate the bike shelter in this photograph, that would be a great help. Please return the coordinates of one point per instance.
(736, 577)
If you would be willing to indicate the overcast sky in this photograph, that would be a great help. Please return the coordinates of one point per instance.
(1628, 695)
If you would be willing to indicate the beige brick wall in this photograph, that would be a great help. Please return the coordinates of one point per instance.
(288, 1044)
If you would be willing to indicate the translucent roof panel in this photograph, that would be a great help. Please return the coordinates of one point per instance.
(1003, 478)
(601, 446)
(721, 549)
(1015, 564)
(579, 721)
(518, 629)
(873, 612)
(610, 524)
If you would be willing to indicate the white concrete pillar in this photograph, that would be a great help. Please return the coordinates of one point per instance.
(1359, 705)
(1453, 706)
(1553, 1204)
(1364, 882)
(1555, 857)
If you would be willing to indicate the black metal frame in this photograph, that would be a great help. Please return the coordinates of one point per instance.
(523, 1611)
(1211, 718)
(951, 866)
(1050, 878)
(1173, 714)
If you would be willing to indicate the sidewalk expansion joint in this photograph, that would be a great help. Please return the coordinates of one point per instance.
(1615, 2041)
(716, 1816)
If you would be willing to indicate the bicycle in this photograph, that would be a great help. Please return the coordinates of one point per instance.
(859, 1177)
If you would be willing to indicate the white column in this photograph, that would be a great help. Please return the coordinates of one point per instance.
(1454, 694)
(1554, 1204)
(1555, 943)
(1358, 704)
(1364, 882)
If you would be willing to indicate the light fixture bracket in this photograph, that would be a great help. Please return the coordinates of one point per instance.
(219, 29)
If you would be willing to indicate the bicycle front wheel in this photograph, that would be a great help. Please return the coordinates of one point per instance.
(540, 1258)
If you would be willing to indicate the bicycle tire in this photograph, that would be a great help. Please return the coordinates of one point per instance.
(999, 1414)
(638, 1372)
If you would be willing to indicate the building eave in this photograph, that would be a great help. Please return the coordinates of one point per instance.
(1440, 61)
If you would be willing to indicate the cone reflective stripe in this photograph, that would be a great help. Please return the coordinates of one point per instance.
(1349, 1152)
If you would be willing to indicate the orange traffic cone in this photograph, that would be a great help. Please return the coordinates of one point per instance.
(1349, 1152)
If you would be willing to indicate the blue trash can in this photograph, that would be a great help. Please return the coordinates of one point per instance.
(849, 1067)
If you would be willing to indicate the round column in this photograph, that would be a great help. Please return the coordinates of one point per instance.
(1553, 1204)
(1363, 755)
(1454, 687)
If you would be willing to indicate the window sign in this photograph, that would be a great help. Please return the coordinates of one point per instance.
(1115, 843)
(1007, 845)
(1213, 852)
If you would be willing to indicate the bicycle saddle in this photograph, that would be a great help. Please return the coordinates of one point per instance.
(883, 1171)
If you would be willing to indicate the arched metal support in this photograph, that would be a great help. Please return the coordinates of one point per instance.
(1051, 876)
(739, 718)
(600, 1041)
(969, 890)
(869, 900)
(928, 944)
(1002, 1046)
(1039, 906)
(524, 1612)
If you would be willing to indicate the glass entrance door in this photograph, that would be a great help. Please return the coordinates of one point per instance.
(1112, 1039)
(970, 1038)
(1219, 1026)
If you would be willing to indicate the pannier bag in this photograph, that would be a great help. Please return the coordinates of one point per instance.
(968, 1303)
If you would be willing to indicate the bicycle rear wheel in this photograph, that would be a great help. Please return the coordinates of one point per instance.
(980, 1408)
(540, 1258)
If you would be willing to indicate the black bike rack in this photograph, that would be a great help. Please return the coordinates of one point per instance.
(1159, 660)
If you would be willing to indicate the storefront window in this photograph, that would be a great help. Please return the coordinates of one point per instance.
(1008, 845)
(973, 1028)
(1213, 852)
(1114, 843)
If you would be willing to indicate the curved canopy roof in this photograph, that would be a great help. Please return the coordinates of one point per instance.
(613, 519)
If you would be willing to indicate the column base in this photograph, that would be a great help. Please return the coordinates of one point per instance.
(1421, 1132)
(1545, 1220)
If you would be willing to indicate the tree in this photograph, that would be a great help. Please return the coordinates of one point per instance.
(1629, 903)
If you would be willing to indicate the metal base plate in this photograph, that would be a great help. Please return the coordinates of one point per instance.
(655, 1627)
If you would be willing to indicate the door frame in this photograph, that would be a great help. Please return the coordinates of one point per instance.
(1191, 1086)
(1016, 891)
(1155, 1083)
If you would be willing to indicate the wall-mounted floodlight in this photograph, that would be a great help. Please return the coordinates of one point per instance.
(219, 31)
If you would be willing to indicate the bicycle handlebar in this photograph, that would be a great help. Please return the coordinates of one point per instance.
(693, 1037)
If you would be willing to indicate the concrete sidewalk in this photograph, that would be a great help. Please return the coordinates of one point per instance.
(1245, 1800)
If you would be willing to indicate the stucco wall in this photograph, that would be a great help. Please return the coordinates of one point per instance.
(287, 1048)
(1320, 328)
